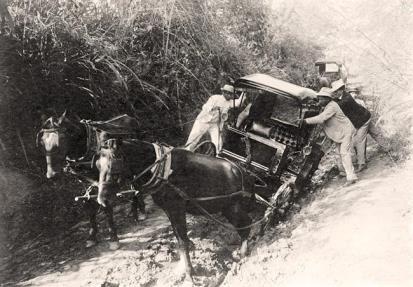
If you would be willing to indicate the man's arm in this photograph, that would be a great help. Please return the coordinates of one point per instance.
(328, 112)
(243, 115)
(238, 102)
(210, 105)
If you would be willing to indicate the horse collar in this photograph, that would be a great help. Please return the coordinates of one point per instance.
(161, 169)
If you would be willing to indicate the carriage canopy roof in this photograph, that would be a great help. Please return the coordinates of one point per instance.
(275, 86)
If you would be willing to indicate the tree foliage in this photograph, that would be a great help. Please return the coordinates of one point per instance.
(155, 60)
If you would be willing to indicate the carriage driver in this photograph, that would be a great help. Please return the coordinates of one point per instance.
(212, 117)
(338, 128)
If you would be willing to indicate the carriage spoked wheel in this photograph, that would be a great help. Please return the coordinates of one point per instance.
(281, 200)
(310, 165)
(206, 148)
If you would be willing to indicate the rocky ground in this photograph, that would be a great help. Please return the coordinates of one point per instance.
(338, 236)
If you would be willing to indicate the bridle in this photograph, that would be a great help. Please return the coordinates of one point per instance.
(157, 169)
(56, 129)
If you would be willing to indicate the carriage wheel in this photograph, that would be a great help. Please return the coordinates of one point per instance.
(281, 200)
(206, 148)
(310, 165)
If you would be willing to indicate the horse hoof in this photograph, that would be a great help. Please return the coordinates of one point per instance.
(90, 243)
(114, 245)
(244, 249)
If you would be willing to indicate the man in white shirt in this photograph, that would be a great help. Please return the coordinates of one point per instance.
(212, 117)
(338, 128)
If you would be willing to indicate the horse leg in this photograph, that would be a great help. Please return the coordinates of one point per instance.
(91, 209)
(134, 208)
(138, 202)
(177, 216)
(114, 240)
(141, 205)
(239, 218)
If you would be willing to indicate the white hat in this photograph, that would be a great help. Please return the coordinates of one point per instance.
(228, 88)
(324, 92)
(337, 85)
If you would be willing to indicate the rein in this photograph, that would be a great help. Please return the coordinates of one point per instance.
(210, 216)
(159, 160)
(162, 158)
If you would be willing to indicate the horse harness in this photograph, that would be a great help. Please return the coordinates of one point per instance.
(161, 170)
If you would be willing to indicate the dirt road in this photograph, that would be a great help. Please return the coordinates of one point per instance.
(354, 236)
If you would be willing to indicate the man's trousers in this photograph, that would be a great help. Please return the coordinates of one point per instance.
(360, 143)
(344, 151)
(199, 129)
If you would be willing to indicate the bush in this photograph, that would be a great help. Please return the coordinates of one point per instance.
(151, 59)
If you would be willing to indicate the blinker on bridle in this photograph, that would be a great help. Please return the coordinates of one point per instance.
(56, 129)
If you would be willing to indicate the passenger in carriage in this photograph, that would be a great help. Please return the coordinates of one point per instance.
(338, 128)
(212, 118)
(259, 108)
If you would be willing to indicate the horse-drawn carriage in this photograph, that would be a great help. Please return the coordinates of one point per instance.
(264, 147)
(266, 138)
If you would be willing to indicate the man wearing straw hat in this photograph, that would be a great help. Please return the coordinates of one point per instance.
(359, 116)
(338, 128)
(212, 117)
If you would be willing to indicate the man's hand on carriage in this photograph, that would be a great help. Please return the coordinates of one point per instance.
(301, 123)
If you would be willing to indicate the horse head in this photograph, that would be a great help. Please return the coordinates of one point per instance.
(110, 164)
(52, 138)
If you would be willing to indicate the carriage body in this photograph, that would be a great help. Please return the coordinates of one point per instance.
(270, 143)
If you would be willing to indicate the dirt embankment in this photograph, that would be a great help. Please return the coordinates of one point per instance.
(353, 236)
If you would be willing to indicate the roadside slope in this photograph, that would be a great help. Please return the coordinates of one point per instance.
(354, 236)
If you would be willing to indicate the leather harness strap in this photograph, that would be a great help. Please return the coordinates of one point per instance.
(162, 169)
(210, 216)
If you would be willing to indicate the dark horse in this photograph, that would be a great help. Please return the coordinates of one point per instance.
(67, 142)
(191, 183)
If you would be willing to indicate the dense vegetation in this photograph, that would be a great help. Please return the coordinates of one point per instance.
(155, 60)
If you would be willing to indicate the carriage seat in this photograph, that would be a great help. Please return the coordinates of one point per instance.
(260, 128)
